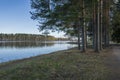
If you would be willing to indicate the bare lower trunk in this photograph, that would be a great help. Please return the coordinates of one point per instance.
(108, 26)
(98, 28)
(94, 25)
(83, 29)
(79, 36)
(101, 22)
(106, 23)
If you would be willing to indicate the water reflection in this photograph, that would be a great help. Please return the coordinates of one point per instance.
(19, 50)
(25, 44)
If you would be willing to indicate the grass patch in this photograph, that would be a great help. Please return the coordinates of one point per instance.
(61, 65)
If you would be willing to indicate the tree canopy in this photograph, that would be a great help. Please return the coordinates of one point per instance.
(80, 18)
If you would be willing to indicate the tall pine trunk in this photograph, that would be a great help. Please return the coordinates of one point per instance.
(79, 30)
(106, 23)
(94, 24)
(101, 23)
(83, 28)
(98, 27)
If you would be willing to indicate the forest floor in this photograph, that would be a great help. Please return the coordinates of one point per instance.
(66, 65)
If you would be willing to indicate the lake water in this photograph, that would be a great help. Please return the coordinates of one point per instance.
(19, 50)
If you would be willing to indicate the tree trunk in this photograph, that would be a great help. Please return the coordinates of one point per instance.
(98, 28)
(79, 35)
(101, 22)
(83, 28)
(94, 25)
(96, 22)
(106, 23)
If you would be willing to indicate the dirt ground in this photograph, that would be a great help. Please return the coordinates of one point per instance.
(113, 62)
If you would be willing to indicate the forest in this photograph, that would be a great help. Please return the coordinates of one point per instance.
(80, 18)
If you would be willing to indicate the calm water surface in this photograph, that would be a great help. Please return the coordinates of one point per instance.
(19, 50)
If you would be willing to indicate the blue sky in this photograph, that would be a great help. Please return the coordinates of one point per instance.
(15, 18)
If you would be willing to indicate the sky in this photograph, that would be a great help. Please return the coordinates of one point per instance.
(15, 17)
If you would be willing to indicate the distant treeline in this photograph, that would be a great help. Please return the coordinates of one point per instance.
(27, 37)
